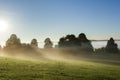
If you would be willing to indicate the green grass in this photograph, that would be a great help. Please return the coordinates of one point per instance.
(16, 69)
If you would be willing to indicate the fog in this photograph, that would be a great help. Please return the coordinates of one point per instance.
(64, 55)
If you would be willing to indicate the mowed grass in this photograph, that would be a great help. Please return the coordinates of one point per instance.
(43, 69)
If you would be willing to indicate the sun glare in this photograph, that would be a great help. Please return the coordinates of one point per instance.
(3, 25)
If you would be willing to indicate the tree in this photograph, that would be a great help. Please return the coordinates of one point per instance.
(13, 41)
(34, 43)
(13, 44)
(48, 43)
(68, 41)
(85, 43)
(111, 46)
(71, 40)
(61, 42)
(82, 38)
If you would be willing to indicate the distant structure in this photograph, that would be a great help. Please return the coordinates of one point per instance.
(111, 46)
(70, 41)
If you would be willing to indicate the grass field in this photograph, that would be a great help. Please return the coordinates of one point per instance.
(45, 69)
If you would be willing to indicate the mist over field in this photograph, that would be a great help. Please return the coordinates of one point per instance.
(67, 55)
(74, 58)
(60, 64)
(59, 40)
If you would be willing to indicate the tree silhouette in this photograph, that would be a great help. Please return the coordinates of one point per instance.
(12, 44)
(15, 47)
(34, 43)
(82, 38)
(70, 41)
(48, 43)
(13, 41)
(85, 43)
(61, 42)
(111, 46)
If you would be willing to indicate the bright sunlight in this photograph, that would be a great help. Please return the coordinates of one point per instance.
(3, 25)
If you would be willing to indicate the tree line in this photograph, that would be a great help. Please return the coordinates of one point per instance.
(69, 41)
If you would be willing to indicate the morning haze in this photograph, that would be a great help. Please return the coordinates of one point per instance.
(59, 40)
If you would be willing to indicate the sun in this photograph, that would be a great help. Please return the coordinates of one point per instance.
(3, 25)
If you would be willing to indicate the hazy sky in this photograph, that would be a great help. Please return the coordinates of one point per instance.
(98, 19)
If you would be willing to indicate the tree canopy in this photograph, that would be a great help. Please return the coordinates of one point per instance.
(48, 43)
(71, 41)
(13, 41)
(34, 43)
(111, 46)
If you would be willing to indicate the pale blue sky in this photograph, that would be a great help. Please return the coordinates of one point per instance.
(98, 19)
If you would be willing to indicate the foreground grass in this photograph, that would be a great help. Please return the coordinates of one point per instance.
(15, 69)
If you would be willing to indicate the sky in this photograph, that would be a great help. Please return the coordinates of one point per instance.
(28, 19)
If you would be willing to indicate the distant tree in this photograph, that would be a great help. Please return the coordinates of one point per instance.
(14, 47)
(71, 37)
(27, 47)
(82, 38)
(85, 43)
(78, 43)
(68, 41)
(100, 50)
(13, 44)
(34, 43)
(71, 40)
(61, 42)
(111, 46)
(13, 41)
(48, 43)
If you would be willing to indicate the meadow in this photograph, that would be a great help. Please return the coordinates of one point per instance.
(53, 69)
